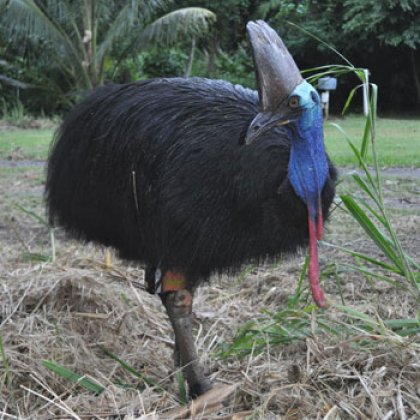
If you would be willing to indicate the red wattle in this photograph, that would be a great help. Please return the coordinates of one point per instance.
(313, 270)
(319, 224)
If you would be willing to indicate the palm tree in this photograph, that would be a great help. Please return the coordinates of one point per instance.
(79, 36)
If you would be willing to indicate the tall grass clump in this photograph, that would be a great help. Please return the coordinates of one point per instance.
(301, 319)
(14, 113)
(372, 214)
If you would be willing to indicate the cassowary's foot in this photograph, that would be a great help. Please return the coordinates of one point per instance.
(196, 389)
(199, 388)
(178, 305)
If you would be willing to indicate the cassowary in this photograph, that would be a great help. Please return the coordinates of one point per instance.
(194, 176)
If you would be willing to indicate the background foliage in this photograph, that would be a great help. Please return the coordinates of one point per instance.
(46, 64)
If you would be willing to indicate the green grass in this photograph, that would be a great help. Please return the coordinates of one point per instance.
(34, 143)
(398, 141)
(397, 144)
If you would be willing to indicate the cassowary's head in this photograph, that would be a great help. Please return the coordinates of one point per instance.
(287, 99)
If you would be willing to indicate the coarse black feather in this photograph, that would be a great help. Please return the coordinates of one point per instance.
(158, 170)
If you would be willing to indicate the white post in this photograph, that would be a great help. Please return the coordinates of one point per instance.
(366, 93)
(325, 99)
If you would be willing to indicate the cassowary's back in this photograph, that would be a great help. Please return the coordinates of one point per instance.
(158, 170)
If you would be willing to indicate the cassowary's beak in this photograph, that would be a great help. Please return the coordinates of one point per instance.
(263, 122)
(277, 75)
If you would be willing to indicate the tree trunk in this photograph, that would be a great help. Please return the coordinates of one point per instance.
(190, 58)
(211, 64)
(89, 40)
(416, 75)
(88, 61)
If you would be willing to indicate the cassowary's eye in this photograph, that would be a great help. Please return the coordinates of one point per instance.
(294, 102)
(314, 97)
(255, 127)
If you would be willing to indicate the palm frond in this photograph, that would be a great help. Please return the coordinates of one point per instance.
(25, 19)
(149, 9)
(180, 23)
(120, 26)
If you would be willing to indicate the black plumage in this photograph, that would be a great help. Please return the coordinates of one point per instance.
(158, 170)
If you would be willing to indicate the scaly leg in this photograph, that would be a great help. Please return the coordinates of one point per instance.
(178, 305)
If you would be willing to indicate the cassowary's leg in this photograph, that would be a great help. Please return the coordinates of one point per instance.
(178, 304)
(150, 279)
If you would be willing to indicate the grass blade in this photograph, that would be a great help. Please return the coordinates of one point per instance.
(366, 137)
(5, 361)
(131, 370)
(373, 232)
(349, 99)
(365, 187)
(366, 258)
(377, 275)
(33, 215)
(182, 390)
(73, 377)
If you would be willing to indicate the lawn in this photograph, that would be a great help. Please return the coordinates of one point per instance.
(398, 141)
(25, 143)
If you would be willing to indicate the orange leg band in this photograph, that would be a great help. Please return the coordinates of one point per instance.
(173, 281)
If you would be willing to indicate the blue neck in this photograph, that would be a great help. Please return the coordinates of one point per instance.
(308, 165)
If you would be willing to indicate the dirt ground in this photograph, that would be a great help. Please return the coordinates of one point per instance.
(75, 310)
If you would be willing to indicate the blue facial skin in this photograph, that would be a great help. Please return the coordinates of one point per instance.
(308, 166)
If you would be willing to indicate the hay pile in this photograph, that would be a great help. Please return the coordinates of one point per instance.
(74, 311)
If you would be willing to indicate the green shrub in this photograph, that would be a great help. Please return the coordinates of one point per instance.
(164, 62)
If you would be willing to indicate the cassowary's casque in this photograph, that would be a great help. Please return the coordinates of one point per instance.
(196, 176)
